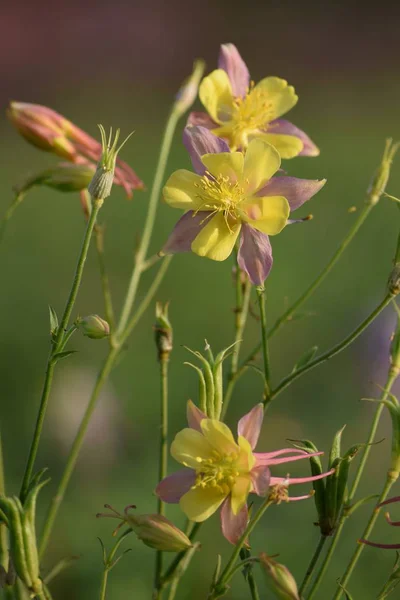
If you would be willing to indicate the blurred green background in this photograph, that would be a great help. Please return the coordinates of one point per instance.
(121, 65)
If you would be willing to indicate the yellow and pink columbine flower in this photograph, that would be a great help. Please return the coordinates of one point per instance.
(48, 130)
(221, 471)
(240, 111)
(233, 196)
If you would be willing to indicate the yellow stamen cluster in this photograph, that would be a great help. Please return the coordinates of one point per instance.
(219, 472)
(220, 194)
(279, 493)
(252, 112)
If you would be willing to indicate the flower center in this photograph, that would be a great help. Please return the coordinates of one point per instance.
(219, 194)
(219, 472)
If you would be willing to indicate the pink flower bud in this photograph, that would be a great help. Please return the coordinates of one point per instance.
(279, 579)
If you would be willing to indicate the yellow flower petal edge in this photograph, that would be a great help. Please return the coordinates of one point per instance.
(218, 435)
(240, 491)
(189, 446)
(215, 93)
(261, 162)
(225, 164)
(288, 146)
(199, 503)
(217, 239)
(180, 191)
(282, 97)
(268, 214)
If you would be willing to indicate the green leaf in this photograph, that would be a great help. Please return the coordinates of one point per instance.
(61, 355)
(351, 509)
(305, 359)
(53, 320)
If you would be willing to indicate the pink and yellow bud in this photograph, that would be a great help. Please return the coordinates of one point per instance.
(190, 87)
(159, 533)
(279, 579)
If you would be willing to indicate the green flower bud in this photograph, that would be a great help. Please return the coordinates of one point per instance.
(279, 579)
(163, 332)
(190, 87)
(159, 533)
(381, 177)
(64, 177)
(94, 327)
(101, 184)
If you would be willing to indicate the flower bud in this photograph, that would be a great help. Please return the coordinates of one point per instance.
(94, 327)
(163, 332)
(394, 280)
(65, 177)
(279, 579)
(381, 177)
(189, 89)
(159, 533)
(42, 127)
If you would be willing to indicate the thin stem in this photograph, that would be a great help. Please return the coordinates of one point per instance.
(3, 528)
(392, 376)
(288, 314)
(249, 576)
(264, 338)
(150, 219)
(170, 572)
(9, 213)
(75, 450)
(110, 563)
(313, 564)
(61, 332)
(333, 351)
(163, 451)
(390, 480)
(105, 284)
(230, 566)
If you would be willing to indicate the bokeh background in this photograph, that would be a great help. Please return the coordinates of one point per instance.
(120, 64)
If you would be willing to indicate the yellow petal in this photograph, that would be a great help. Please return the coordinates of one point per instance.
(225, 164)
(216, 240)
(281, 96)
(180, 191)
(288, 146)
(219, 436)
(215, 93)
(261, 162)
(200, 503)
(268, 214)
(246, 456)
(239, 493)
(190, 447)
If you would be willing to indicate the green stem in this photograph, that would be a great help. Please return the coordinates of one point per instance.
(264, 338)
(9, 213)
(149, 224)
(226, 574)
(288, 314)
(3, 528)
(105, 284)
(61, 332)
(170, 572)
(75, 450)
(333, 351)
(110, 563)
(392, 376)
(246, 556)
(163, 451)
(313, 563)
(390, 480)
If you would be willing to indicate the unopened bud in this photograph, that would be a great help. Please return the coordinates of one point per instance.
(101, 184)
(64, 177)
(159, 533)
(94, 327)
(279, 579)
(190, 87)
(381, 177)
(394, 280)
(163, 331)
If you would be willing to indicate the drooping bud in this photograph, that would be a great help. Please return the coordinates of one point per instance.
(279, 579)
(381, 177)
(394, 280)
(190, 87)
(163, 333)
(94, 327)
(20, 520)
(101, 184)
(64, 177)
(159, 533)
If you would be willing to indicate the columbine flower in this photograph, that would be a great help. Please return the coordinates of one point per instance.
(222, 471)
(239, 111)
(50, 131)
(388, 519)
(232, 193)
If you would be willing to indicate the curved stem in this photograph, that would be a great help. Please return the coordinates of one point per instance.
(149, 224)
(75, 450)
(390, 480)
(333, 351)
(288, 314)
(313, 564)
